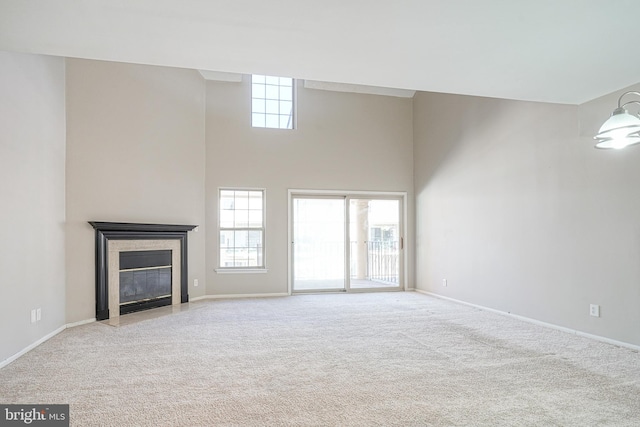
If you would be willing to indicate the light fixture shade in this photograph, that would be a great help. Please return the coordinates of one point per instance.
(621, 130)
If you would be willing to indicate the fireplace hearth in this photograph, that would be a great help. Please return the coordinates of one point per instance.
(139, 266)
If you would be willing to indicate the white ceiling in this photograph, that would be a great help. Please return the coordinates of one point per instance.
(562, 51)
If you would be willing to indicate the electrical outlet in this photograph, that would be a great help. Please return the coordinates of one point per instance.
(34, 319)
(444, 282)
(195, 282)
(39, 314)
(594, 310)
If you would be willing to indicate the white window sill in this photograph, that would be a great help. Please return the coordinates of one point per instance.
(240, 270)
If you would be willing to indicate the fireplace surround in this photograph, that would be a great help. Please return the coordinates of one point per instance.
(114, 237)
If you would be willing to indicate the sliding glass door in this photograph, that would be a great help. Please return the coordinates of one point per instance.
(318, 247)
(346, 243)
(375, 243)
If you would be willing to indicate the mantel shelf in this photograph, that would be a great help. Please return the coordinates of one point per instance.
(131, 226)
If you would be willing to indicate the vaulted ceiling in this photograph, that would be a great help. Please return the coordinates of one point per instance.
(560, 51)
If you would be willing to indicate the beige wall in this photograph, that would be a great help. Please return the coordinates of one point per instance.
(32, 159)
(135, 153)
(344, 141)
(519, 213)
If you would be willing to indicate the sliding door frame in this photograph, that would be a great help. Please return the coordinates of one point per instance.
(347, 195)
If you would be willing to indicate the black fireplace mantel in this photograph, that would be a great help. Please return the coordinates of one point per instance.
(106, 231)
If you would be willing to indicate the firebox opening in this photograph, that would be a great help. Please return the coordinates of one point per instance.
(145, 279)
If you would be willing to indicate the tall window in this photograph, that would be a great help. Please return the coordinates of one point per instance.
(271, 102)
(242, 228)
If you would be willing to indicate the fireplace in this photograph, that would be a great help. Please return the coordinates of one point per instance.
(139, 266)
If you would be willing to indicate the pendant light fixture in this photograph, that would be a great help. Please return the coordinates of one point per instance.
(622, 129)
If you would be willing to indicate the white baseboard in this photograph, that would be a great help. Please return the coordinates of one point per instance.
(236, 296)
(32, 346)
(42, 340)
(537, 322)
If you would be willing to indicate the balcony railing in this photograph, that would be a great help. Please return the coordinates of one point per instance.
(381, 261)
(375, 264)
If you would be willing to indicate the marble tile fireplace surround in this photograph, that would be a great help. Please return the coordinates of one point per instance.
(153, 271)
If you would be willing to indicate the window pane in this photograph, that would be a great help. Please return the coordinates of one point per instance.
(255, 200)
(272, 92)
(240, 258)
(257, 105)
(257, 91)
(226, 258)
(257, 78)
(241, 239)
(272, 107)
(241, 218)
(255, 239)
(255, 219)
(286, 81)
(272, 121)
(286, 94)
(226, 199)
(258, 120)
(270, 80)
(242, 200)
(226, 239)
(252, 258)
(286, 122)
(226, 218)
(285, 107)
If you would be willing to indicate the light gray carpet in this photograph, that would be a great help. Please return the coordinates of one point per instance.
(381, 359)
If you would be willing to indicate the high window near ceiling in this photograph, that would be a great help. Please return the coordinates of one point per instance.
(272, 102)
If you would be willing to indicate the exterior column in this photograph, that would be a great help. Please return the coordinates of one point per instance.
(362, 237)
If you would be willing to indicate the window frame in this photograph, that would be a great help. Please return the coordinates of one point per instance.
(242, 269)
(279, 100)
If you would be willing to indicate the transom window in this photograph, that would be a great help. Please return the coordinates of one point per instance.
(272, 102)
(241, 228)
